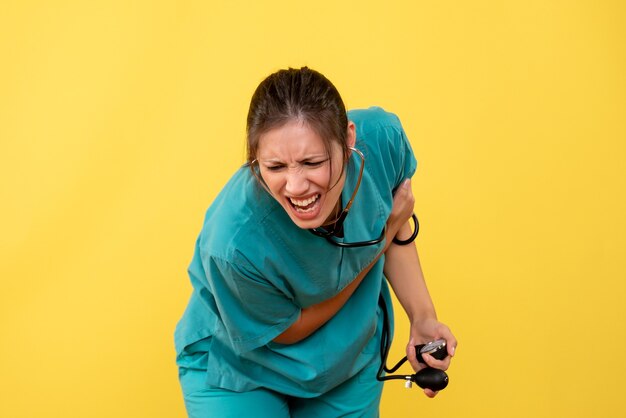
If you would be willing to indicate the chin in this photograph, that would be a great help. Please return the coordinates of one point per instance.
(305, 223)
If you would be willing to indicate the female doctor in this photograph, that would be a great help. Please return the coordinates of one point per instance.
(284, 319)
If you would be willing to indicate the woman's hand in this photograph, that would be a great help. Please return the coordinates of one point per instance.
(401, 211)
(422, 332)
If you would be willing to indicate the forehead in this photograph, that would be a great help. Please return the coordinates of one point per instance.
(293, 140)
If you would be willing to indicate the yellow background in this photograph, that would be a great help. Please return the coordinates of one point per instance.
(121, 120)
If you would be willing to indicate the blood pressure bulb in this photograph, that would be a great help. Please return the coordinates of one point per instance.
(430, 378)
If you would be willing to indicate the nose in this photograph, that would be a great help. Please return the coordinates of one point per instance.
(296, 183)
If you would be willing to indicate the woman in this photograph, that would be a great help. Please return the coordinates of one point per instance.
(283, 320)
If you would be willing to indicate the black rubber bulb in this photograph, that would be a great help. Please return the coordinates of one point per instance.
(430, 378)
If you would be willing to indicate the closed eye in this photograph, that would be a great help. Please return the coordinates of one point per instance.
(314, 163)
(305, 163)
(274, 167)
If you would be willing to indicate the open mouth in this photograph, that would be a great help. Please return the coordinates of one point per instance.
(304, 205)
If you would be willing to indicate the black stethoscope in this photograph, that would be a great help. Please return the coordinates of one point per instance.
(430, 378)
(336, 229)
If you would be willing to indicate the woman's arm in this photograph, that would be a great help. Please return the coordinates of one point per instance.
(404, 273)
(313, 317)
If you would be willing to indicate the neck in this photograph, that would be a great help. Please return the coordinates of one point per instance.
(334, 215)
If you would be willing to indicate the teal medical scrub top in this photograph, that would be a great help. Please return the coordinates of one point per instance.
(253, 270)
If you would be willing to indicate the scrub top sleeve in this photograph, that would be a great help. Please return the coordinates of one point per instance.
(406, 162)
(252, 309)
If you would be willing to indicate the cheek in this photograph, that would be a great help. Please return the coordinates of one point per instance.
(334, 177)
(272, 180)
(321, 178)
(338, 167)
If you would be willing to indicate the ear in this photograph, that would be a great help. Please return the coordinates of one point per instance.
(351, 138)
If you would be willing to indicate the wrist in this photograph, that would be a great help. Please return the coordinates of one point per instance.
(404, 233)
(420, 319)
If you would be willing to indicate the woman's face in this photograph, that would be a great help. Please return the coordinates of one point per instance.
(295, 166)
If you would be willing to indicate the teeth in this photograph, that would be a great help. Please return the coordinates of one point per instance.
(305, 202)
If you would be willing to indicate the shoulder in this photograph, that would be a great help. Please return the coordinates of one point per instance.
(382, 140)
(379, 132)
(373, 119)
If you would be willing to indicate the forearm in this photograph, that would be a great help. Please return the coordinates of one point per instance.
(404, 273)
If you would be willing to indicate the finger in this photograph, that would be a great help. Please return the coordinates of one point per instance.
(430, 393)
(404, 188)
(408, 188)
(452, 347)
(436, 364)
(451, 341)
(443, 332)
(405, 192)
(411, 356)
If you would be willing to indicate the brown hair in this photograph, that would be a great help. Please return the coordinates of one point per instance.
(302, 95)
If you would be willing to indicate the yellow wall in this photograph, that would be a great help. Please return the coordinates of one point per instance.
(121, 120)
